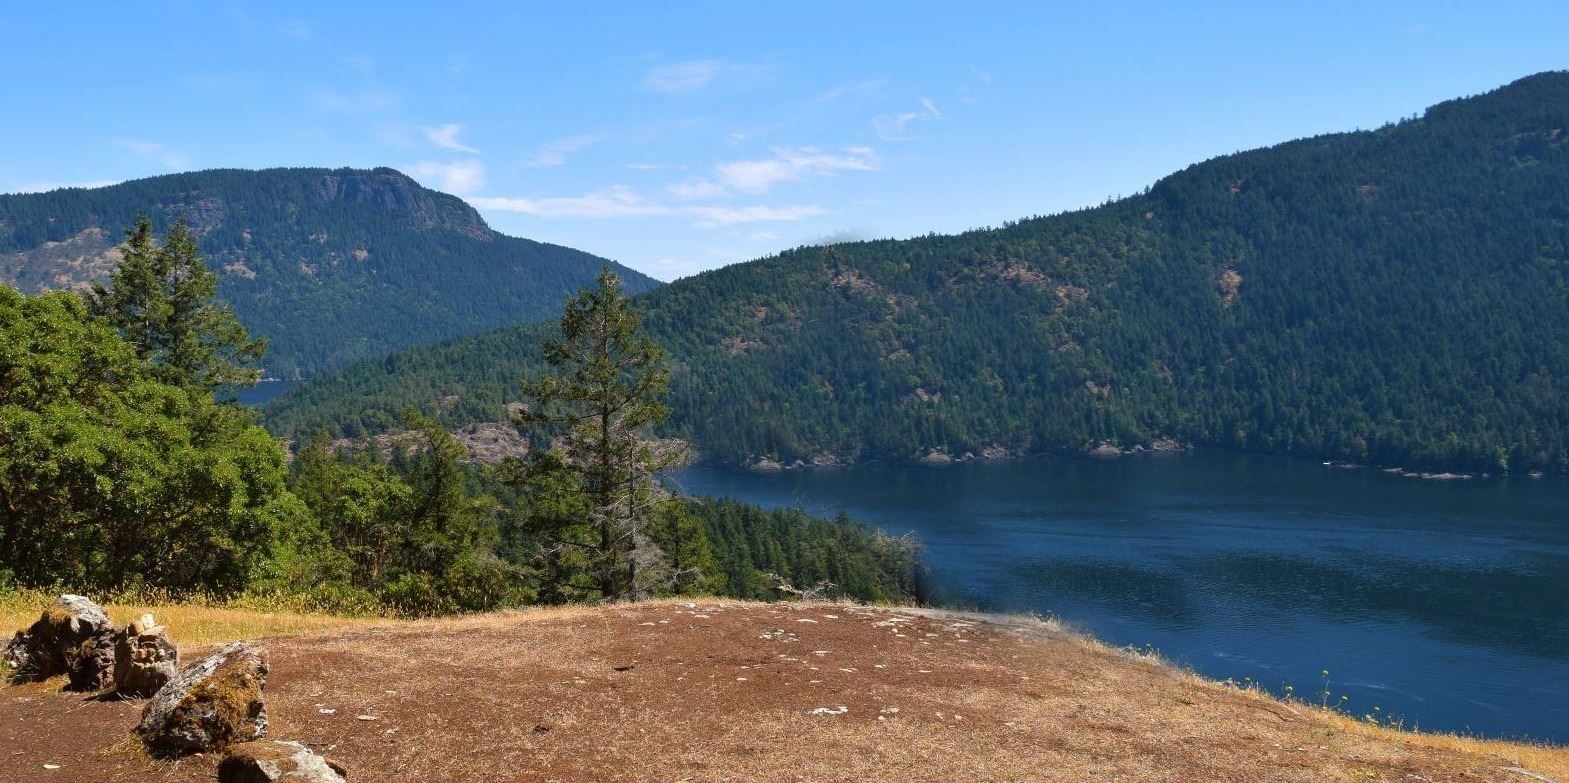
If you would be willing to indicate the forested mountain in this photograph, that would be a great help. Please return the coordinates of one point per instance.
(332, 266)
(1397, 296)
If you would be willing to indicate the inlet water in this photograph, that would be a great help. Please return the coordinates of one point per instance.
(1445, 604)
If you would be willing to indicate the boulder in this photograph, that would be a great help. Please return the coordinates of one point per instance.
(209, 705)
(92, 667)
(72, 637)
(266, 762)
(16, 656)
(144, 659)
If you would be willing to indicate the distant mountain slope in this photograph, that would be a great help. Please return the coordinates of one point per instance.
(332, 265)
(1398, 296)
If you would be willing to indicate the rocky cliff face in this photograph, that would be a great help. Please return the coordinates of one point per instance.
(392, 191)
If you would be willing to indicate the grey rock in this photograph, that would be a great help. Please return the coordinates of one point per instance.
(91, 668)
(267, 762)
(16, 656)
(209, 705)
(144, 658)
(72, 637)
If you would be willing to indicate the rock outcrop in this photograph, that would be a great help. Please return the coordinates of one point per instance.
(209, 705)
(72, 637)
(144, 658)
(92, 668)
(266, 762)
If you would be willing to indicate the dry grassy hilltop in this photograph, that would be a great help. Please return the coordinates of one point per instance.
(726, 691)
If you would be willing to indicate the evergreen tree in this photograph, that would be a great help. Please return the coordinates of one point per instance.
(604, 389)
(163, 299)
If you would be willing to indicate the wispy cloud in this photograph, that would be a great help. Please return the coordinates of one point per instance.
(712, 216)
(694, 75)
(459, 177)
(896, 127)
(446, 137)
(367, 99)
(621, 201)
(856, 88)
(683, 77)
(614, 202)
(156, 152)
(555, 153)
(45, 187)
(697, 189)
(787, 164)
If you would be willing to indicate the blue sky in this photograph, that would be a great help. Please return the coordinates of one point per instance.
(677, 137)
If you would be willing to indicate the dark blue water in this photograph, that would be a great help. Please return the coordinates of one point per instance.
(262, 393)
(1446, 604)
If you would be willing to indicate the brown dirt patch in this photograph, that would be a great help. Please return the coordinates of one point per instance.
(736, 691)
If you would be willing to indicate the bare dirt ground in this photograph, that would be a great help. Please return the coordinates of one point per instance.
(729, 691)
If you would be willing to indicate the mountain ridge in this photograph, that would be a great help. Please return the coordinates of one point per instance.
(1397, 296)
(334, 265)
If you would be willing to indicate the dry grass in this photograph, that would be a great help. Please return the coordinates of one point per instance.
(731, 691)
(196, 623)
(1550, 760)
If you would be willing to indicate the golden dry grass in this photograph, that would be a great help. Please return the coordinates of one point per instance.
(1550, 760)
(195, 623)
(730, 690)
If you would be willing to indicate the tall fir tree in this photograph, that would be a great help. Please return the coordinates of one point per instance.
(164, 300)
(604, 390)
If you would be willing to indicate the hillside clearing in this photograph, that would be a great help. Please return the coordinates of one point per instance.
(744, 691)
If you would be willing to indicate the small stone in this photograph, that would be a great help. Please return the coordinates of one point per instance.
(209, 705)
(269, 761)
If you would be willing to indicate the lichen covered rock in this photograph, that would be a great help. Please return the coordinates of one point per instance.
(72, 637)
(91, 668)
(267, 762)
(209, 705)
(144, 658)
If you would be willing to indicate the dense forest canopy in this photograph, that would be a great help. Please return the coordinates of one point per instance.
(331, 265)
(120, 470)
(1397, 296)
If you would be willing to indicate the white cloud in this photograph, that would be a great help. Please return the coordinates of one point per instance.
(613, 202)
(697, 189)
(712, 216)
(620, 201)
(459, 177)
(45, 187)
(684, 77)
(895, 127)
(555, 153)
(844, 90)
(155, 152)
(787, 164)
(446, 137)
